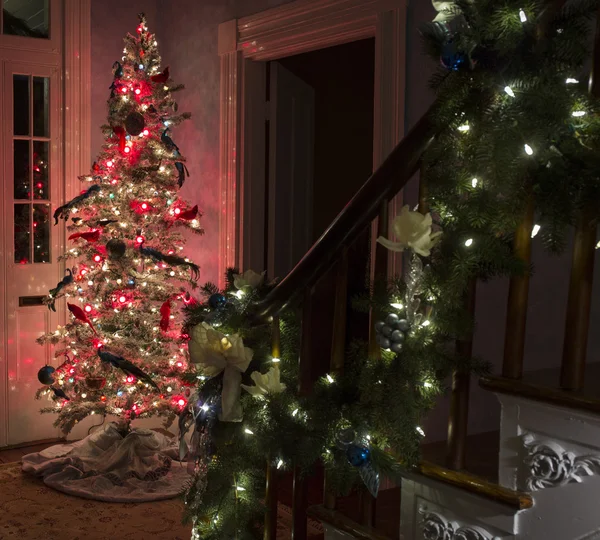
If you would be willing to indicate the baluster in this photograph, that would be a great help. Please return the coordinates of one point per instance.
(459, 399)
(338, 342)
(582, 272)
(518, 293)
(272, 473)
(300, 495)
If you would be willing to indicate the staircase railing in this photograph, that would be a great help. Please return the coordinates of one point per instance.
(332, 254)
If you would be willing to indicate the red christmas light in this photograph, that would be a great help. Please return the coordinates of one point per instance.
(109, 163)
(146, 133)
(122, 299)
(177, 211)
(113, 181)
(71, 371)
(124, 89)
(98, 344)
(102, 398)
(137, 91)
(144, 206)
(181, 402)
(139, 239)
(130, 379)
(179, 364)
(127, 149)
(97, 258)
(88, 308)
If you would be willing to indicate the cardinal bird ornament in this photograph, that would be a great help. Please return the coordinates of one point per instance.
(126, 366)
(90, 236)
(67, 280)
(80, 315)
(120, 132)
(188, 215)
(162, 77)
(165, 316)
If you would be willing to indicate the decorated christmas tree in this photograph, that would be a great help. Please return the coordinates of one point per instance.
(127, 277)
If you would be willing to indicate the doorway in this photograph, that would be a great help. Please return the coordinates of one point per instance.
(335, 88)
(245, 47)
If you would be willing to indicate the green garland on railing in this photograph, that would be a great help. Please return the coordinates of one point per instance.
(511, 122)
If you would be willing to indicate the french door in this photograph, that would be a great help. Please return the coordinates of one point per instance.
(31, 148)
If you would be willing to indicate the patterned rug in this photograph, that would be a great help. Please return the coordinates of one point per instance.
(29, 510)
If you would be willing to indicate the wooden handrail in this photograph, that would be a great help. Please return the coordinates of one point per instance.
(344, 524)
(393, 174)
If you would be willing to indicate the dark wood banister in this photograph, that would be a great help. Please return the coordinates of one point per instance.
(393, 174)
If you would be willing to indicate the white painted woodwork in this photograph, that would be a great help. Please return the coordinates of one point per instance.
(291, 170)
(65, 60)
(294, 28)
(565, 444)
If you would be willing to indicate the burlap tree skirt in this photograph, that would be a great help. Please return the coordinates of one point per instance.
(113, 465)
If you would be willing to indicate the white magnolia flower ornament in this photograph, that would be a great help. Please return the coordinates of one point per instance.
(412, 231)
(249, 279)
(215, 352)
(446, 10)
(269, 383)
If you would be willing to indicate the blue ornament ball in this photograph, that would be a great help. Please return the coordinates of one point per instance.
(403, 325)
(217, 301)
(379, 325)
(452, 58)
(357, 455)
(45, 375)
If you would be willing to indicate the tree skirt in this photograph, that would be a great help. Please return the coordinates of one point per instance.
(112, 466)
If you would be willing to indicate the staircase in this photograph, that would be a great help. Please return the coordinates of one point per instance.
(547, 462)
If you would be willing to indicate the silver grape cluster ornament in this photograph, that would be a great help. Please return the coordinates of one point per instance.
(391, 333)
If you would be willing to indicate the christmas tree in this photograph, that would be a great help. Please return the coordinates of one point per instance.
(126, 277)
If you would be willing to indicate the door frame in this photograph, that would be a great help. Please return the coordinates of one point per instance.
(69, 50)
(301, 26)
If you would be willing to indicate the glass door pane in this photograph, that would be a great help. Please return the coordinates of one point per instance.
(29, 18)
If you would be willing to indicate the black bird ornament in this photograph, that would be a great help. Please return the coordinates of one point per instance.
(59, 393)
(63, 211)
(182, 172)
(172, 260)
(52, 293)
(168, 142)
(126, 366)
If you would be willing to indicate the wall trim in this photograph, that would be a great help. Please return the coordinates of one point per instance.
(294, 28)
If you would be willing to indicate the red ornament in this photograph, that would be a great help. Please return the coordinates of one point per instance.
(161, 77)
(90, 236)
(120, 132)
(80, 315)
(188, 214)
(102, 398)
(165, 315)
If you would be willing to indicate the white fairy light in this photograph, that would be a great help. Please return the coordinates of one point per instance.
(522, 16)
(427, 384)
(528, 150)
(426, 323)
(469, 242)
(396, 305)
(294, 412)
(205, 407)
(248, 431)
(570, 80)
(535, 230)
(578, 114)
(240, 488)
(474, 182)
(464, 128)
(84, 395)
(276, 360)
(329, 378)
(279, 464)
(509, 91)
(420, 431)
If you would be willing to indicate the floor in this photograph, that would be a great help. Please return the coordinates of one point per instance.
(482, 460)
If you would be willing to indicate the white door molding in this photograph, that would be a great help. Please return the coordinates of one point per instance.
(294, 28)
